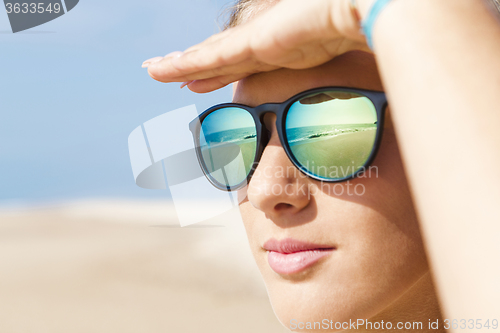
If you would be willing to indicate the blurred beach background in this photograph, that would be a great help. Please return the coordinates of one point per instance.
(116, 266)
(83, 249)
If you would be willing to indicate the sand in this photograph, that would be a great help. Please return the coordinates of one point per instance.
(225, 155)
(335, 157)
(123, 266)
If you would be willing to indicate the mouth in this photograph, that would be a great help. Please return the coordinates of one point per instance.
(290, 256)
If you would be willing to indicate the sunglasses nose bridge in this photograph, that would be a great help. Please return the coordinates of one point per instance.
(261, 110)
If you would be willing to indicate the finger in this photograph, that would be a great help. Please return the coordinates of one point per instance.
(246, 67)
(165, 71)
(151, 61)
(208, 85)
(230, 49)
(148, 62)
(210, 40)
(249, 66)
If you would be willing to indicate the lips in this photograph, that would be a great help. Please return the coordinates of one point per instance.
(290, 256)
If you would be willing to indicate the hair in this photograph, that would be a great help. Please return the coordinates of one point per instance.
(236, 13)
(496, 4)
(245, 9)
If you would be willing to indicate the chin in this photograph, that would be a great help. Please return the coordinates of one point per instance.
(337, 289)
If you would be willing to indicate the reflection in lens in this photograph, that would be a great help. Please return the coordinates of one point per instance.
(332, 134)
(228, 141)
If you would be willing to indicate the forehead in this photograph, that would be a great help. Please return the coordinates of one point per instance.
(354, 69)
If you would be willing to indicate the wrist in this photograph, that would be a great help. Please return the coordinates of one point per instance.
(371, 10)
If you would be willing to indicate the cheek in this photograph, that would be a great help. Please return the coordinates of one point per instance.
(380, 253)
(387, 190)
(255, 224)
(380, 229)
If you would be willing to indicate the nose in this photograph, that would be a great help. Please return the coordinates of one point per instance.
(277, 187)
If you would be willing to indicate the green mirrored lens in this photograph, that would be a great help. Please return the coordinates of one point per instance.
(332, 133)
(228, 141)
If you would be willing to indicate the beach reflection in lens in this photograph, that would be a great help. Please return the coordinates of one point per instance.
(332, 133)
(228, 141)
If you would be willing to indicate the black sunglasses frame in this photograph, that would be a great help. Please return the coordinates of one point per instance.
(378, 99)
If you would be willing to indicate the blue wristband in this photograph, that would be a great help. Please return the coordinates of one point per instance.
(367, 24)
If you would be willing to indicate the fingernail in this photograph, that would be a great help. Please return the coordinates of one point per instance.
(174, 54)
(151, 61)
(185, 83)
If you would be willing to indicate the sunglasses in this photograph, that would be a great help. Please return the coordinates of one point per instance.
(330, 134)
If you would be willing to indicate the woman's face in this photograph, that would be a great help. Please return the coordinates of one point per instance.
(376, 252)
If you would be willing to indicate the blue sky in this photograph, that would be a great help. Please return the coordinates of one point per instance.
(73, 89)
(225, 119)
